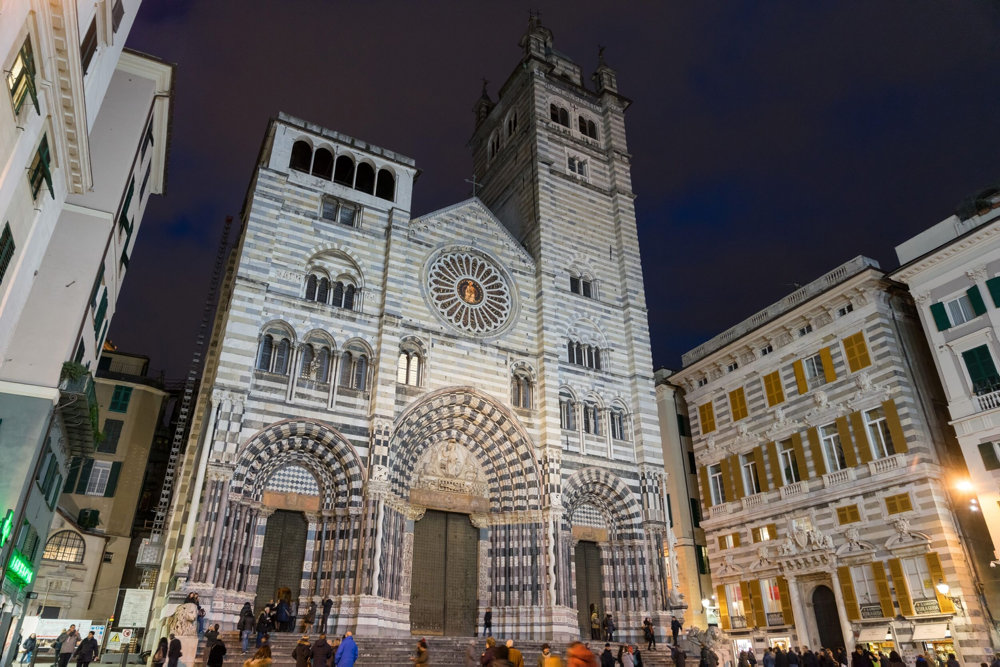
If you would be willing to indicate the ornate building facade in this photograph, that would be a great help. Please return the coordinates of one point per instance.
(825, 464)
(422, 418)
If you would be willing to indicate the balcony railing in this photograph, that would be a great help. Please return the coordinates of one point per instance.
(737, 622)
(839, 477)
(794, 488)
(719, 510)
(775, 618)
(990, 401)
(754, 500)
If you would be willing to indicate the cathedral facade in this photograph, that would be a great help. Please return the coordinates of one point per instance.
(420, 418)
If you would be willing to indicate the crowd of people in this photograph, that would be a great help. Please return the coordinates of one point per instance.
(803, 656)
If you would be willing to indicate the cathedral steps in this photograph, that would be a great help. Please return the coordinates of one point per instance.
(392, 652)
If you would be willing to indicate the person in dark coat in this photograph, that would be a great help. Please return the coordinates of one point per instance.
(860, 658)
(809, 659)
(677, 655)
(246, 626)
(321, 651)
(264, 625)
(173, 651)
(302, 652)
(649, 634)
(675, 627)
(86, 652)
(793, 657)
(211, 636)
(217, 653)
(780, 658)
(283, 616)
(486, 658)
(607, 657)
(488, 622)
(29, 646)
(422, 656)
(609, 628)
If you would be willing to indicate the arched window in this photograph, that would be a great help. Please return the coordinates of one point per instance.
(349, 297)
(583, 355)
(323, 365)
(494, 144)
(281, 354)
(385, 188)
(588, 128)
(264, 352)
(301, 156)
(338, 294)
(521, 391)
(305, 368)
(323, 290)
(409, 368)
(365, 179)
(354, 369)
(567, 411)
(591, 418)
(343, 173)
(582, 285)
(559, 115)
(323, 164)
(311, 287)
(616, 421)
(512, 124)
(66, 546)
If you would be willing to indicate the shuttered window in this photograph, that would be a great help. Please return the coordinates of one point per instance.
(898, 503)
(982, 371)
(988, 452)
(738, 403)
(851, 608)
(902, 590)
(848, 514)
(773, 390)
(993, 286)
(856, 351)
(706, 416)
(6, 249)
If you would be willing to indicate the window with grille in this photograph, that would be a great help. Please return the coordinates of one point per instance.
(112, 432)
(65, 547)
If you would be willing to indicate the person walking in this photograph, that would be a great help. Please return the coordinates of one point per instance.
(309, 619)
(488, 622)
(302, 652)
(650, 634)
(327, 607)
(422, 657)
(595, 623)
(67, 645)
(264, 626)
(514, 656)
(246, 625)
(160, 654)
(609, 628)
(347, 652)
(218, 652)
(29, 646)
(262, 658)
(675, 627)
(86, 652)
(173, 651)
(321, 651)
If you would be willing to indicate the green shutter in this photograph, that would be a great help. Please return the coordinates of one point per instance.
(81, 486)
(940, 316)
(109, 490)
(74, 470)
(993, 285)
(988, 451)
(982, 370)
(976, 298)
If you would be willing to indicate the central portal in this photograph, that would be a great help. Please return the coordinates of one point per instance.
(588, 584)
(282, 556)
(443, 595)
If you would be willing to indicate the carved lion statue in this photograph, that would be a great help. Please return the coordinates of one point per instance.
(182, 623)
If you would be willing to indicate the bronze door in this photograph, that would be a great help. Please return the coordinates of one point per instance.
(827, 617)
(443, 595)
(282, 556)
(588, 584)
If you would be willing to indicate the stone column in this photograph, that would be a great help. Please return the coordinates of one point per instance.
(184, 553)
(798, 614)
(334, 379)
(845, 625)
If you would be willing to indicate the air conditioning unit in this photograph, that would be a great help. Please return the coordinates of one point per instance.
(89, 518)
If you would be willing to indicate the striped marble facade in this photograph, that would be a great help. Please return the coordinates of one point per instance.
(853, 526)
(384, 447)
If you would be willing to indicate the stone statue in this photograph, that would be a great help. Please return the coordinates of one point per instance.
(182, 622)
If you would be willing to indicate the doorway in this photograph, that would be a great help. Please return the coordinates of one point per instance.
(827, 618)
(589, 586)
(444, 591)
(282, 556)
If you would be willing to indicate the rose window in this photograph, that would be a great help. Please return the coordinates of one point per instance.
(469, 292)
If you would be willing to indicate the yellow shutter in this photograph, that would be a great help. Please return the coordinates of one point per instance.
(895, 427)
(786, 601)
(819, 464)
(861, 438)
(747, 603)
(722, 542)
(720, 596)
(736, 539)
(847, 592)
(800, 376)
(760, 617)
(828, 371)
(727, 480)
(898, 503)
(758, 458)
(773, 389)
(737, 472)
(772, 459)
(706, 492)
(772, 531)
(882, 586)
(902, 589)
(890, 505)
(937, 576)
(856, 351)
(706, 416)
(800, 456)
(846, 442)
(738, 403)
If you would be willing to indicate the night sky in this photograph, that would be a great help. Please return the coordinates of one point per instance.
(771, 141)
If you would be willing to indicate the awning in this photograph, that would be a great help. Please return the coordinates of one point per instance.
(873, 633)
(923, 632)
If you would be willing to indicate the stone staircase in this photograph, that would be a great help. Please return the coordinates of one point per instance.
(393, 652)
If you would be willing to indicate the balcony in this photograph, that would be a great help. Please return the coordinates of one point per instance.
(78, 409)
(885, 465)
(794, 489)
(775, 618)
(755, 500)
(989, 401)
(737, 622)
(838, 477)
